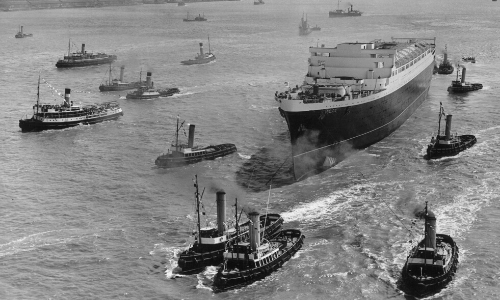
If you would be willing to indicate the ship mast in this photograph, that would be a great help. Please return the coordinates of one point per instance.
(209, 51)
(38, 95)
(177, 139)
(197, 196)
(69, 46)
(441, 112)
(109, 81)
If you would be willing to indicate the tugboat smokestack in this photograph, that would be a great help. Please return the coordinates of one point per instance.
(463, 74)
(448, 127)
(430, 229)
(191, 136)
(148, 79)
(121, 73)
(21, 29)
(201, 49)
(254, 230)
(67, 92)
(221, 212)
(83, 48)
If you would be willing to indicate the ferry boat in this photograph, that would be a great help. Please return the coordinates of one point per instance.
(181, 155)
(341, 13)
(445, 67)
(304, 28)
(147, 91)
(447, 144)
(461, 86)
(246, 262)
(199, 18)
(209, 243)
(201, 58)
(83, 59)
(59, 116)
(21, 33)
(353, 96)
(118, 84)
(432, 263)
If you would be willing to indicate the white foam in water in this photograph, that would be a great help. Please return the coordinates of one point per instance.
(244, 156)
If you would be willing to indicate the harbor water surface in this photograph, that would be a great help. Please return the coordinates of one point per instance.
(85, 214)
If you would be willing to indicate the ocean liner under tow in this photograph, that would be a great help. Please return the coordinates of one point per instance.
(354, 95)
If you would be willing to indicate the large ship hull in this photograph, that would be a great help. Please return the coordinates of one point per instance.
(85, 62)
(39, 125)
(341, 15)
(322, 138)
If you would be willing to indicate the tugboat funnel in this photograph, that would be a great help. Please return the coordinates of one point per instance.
(83, 48)
(254, 230)
(445, 57)
(221, 212)
(121, 73)
(21, 29)
(448, 127)
(463, 74)
(191, 136)
(148, 79)
(201, 49)
(67, 92)
(430, 229)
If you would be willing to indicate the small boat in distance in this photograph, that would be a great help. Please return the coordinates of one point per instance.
(432, 263)
(67, 114)
(181, 3)
(118, 84)
(446, 144)
(201, 58)
(471, 59)
(83, 59)
(445, 67)
(246, 262)
(181, 154)
(316, 28)
(21, 34)
(341, 13)
(208, 243)
(304, 28)
(258, 2)
(461, 86)
(198, 18)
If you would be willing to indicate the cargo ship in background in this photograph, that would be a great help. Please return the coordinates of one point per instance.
(353, 96)
(341, 13)
(83, 59)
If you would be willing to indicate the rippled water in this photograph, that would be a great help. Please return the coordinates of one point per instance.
(86, 215)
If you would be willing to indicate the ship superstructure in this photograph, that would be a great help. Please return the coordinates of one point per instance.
(352, 96)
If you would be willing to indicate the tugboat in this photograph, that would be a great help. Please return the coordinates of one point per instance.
(21, 34)
(445, 67)
(147, 91)
(447, 144)
(304, 28)
(246, 262)
(201, 58)
(199, 18)
(118, 84)
(460, 86)
(471, 59)
(210, 242)
(341, 13)
(83, 59)
(50, 116)
(181, 155)
(433, 262)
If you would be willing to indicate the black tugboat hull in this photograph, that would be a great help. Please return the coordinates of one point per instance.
(86, 62)
(122, 87)
(466, 141)
(29, 125)
(192, 262)
(465, 88)
(227, 280)
(423, 287)
(170, 161)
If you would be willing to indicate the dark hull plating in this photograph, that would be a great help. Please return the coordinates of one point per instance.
(170, 160)
(322, 138)
(36, 125)
(85, 62)
(436, 150)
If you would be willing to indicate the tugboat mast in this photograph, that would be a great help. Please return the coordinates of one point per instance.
(197, 196)
(69, 47)
(38, 95)
(441, 112)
